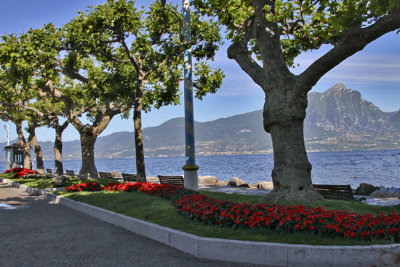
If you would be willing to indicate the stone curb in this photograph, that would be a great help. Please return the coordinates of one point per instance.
(275, 254)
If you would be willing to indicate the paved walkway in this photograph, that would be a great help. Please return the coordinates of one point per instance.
(40, 233)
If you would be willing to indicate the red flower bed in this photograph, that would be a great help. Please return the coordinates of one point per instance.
(161, 190)
(84, 187)
(290, 219)
(273, 217)
(20, 172)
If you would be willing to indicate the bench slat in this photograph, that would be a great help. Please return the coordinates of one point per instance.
(174, 180)
(332, 188)
(129, 177)
(335, 191)
(108, 175)
(105, 175)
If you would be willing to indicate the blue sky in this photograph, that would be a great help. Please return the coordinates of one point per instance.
(375, 71)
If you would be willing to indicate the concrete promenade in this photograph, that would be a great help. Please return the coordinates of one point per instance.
(41, 233)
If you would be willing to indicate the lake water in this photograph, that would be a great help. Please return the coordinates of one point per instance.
(381, 168)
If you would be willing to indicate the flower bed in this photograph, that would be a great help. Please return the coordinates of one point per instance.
(162, 190)
(84, 187)
(290, 219)
(20, 172)
(264, 216)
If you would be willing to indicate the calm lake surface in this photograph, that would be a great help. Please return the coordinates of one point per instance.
(381, 168)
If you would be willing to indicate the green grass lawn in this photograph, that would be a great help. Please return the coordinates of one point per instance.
(161, 211)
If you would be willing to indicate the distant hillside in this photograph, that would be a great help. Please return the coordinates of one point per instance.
(234, 135)
(338, 119)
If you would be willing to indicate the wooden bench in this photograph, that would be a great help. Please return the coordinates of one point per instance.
(174, 180)
(108, 175)
(128, 177)
(49, 171)
(70, 172)
(339, 192)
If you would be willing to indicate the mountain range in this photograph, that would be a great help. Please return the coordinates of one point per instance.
(337, 120)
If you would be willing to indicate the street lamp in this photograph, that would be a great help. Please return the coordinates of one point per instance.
(190, 168)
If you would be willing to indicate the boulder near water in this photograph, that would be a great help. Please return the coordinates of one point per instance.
(116, 174)
(238, 181)
(222, 183)
(208, 180)
(365, 189)
(264, 185)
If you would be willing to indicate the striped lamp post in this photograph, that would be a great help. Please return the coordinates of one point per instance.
(190, 168)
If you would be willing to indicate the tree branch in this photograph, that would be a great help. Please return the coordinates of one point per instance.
(37, 112)
(268, 42)
(69, 112)
(353, 40)
(129, 54)
(240, 53)
(72, 74)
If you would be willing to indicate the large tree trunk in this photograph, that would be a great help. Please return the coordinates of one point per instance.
(39, 155)
(36, 146)
(25, 145)
(88, 169)
(59, 168)
(137, 121)
(284, 113)
(58, 164)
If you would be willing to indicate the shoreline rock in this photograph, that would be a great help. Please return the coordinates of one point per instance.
(208, 180)
(365, 189)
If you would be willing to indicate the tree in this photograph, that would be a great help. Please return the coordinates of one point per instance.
(267, 36)
(22, 73)
(147, 45)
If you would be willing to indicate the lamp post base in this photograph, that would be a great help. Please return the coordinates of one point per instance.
(191, 180)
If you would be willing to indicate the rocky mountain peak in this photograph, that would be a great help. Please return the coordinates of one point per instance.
(343, 111)
(338, 88)
(341, 91)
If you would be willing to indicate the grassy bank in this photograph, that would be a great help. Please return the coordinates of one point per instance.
(160, 211)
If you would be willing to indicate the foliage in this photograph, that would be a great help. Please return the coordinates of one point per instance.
(299, 25)
(20, 172)
(26, 64)
(146, 46)
(58, 181)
